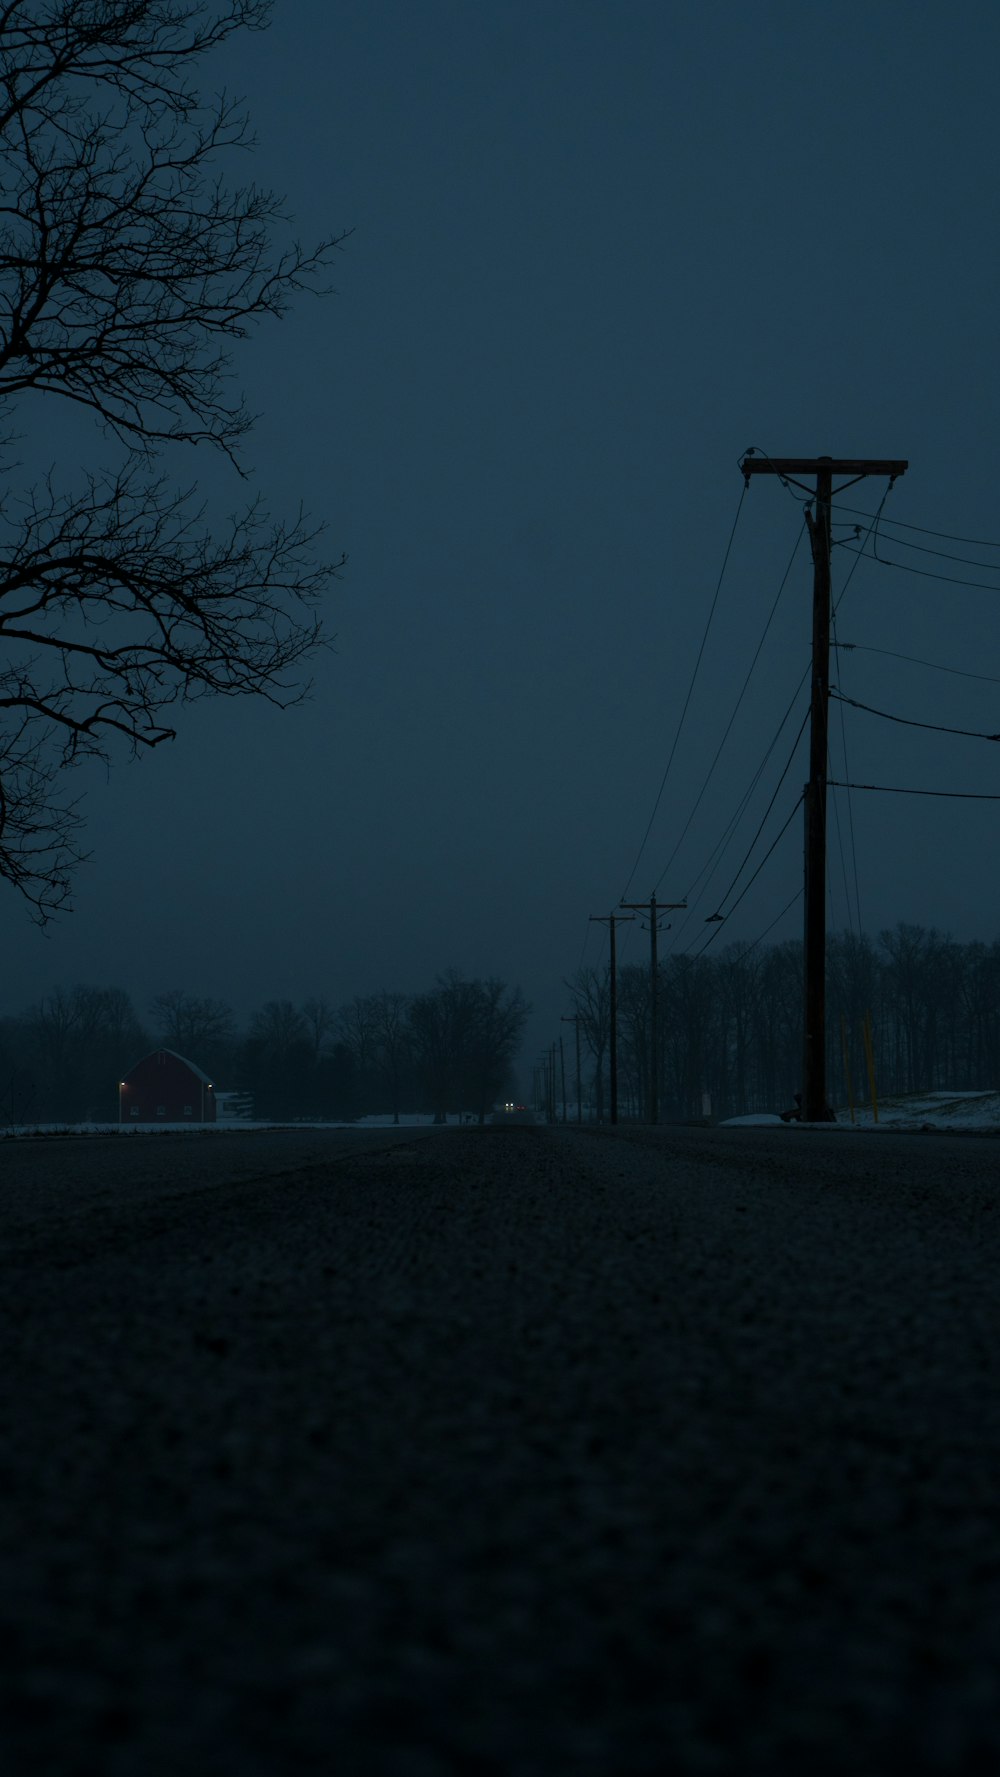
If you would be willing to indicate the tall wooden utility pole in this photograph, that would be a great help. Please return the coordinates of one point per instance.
(575, 1019)
(824, 469)
(611, 920)
(651, 906)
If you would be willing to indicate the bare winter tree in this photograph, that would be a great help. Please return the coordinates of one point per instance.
(128, 269)
(320, 1018)
(191, 1024)
(355, 1025)
(465, 1035)
(392, 1042)
(591, 997)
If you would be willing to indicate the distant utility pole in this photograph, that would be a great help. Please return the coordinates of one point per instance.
(652, 907)
(562, 1072)
(552, 1083)
(579, 1098)
(824, 469)
(545, 1078)
(611, 920)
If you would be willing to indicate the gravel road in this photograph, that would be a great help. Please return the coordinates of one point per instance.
(517, 1451)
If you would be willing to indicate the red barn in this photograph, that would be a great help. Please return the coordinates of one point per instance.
(164, 1088)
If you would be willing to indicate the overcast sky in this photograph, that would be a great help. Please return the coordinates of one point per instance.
(599, 248)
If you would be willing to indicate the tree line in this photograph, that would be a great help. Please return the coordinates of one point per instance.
(731, 1024)
(450, 1049)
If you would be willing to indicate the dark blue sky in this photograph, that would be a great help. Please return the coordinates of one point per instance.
(598, 250)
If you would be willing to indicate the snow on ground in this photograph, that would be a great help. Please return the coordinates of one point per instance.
(760, 1120)
(930, 1110)
(915, 1110)
(968, 1111)
(222, 1126)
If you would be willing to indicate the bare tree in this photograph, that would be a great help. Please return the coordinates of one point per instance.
(127, 271)
(75, 1045)
(591, 992)
(465, 1035)
(196, 1027)
(392, 1041)
(320, 1018)
(280, 1028)
(501, 1015)
(356, 1028)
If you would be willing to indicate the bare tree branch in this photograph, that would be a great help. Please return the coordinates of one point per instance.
(127, 271)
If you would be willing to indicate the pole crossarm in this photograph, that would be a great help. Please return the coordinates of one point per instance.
(661, 906)
(893, 467)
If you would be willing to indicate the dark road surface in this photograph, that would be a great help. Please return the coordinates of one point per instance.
(518, 1451)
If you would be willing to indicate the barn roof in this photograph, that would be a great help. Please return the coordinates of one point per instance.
(199, 1072)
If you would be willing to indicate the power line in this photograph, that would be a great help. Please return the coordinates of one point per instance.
(763, 820)
(709, 868)
(850, 808)
(907, 722)
(687, 700)
(704, 876)
(934, 665)
(924, 530)
(736, 708)
(967, 561)
(883, 561)
(800, 891)
(895, 790)
(876, 518)
(843, 860)
(718, 925)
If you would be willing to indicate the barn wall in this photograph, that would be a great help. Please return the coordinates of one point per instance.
(162, 1088)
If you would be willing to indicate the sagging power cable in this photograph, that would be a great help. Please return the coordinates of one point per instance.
(908, 722)
(687, 700)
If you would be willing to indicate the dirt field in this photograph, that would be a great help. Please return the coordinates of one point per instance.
(516, 1451)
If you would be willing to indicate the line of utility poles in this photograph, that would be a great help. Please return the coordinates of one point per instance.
(545, 1083)
(652, 908)
(575, 1020)
(612, 920)
(814, 1105)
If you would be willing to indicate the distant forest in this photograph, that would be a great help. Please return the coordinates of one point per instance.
(731, 1024)
(449, 1050)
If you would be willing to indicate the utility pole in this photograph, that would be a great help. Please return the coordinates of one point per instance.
(552, 1082)
(579, 1095)
(562, 1071)
(651, 908)
(824, 469)
(611, 920)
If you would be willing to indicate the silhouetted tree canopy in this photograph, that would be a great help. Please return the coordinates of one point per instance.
(730, 1028)
(127, 271)
(464, 1036)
